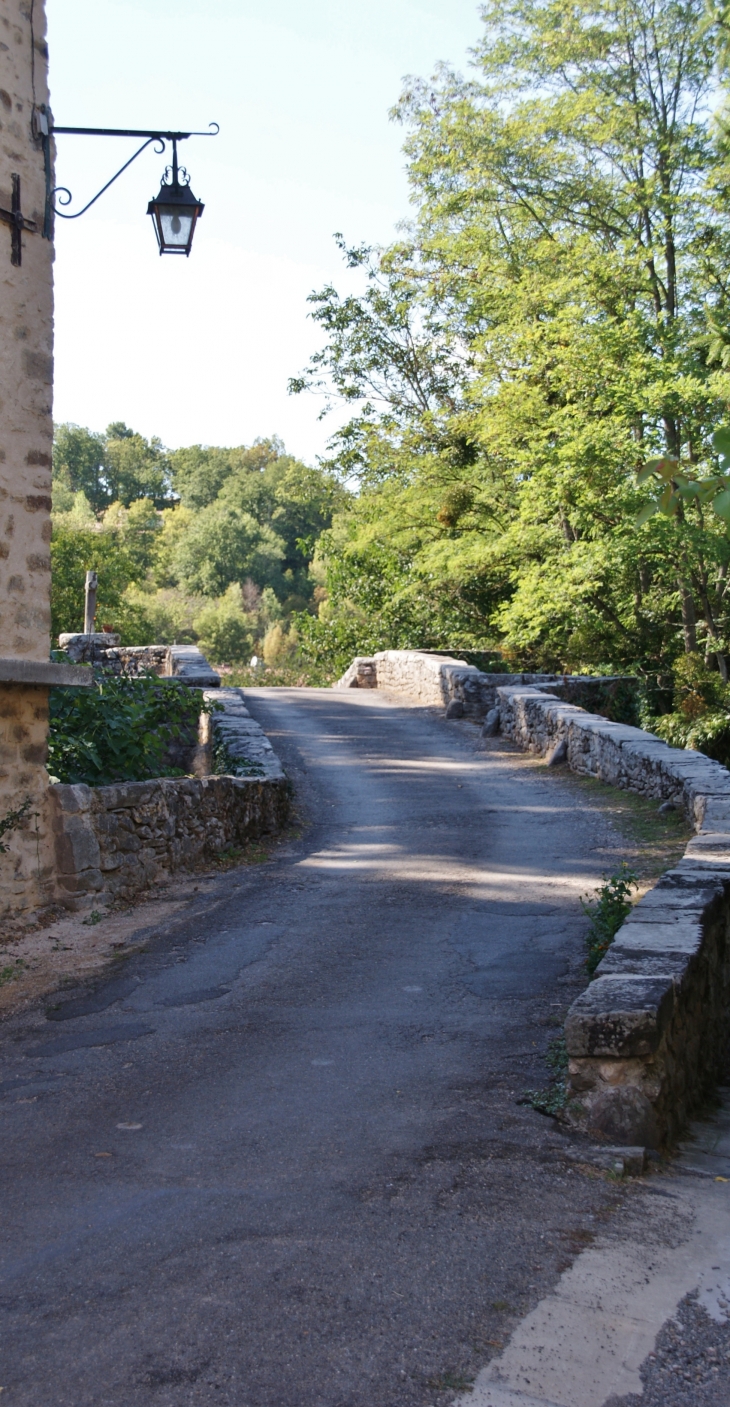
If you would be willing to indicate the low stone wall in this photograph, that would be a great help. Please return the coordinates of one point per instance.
(111, 842)
(432, 680)
(248, 752)
(649, 1037)
(437, 680)
(184, 662)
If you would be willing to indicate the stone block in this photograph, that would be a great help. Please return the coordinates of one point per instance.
(624, 1113)
(69, 798)
(76, 845)
(619, 1016)
(683, 935)
(629, 963)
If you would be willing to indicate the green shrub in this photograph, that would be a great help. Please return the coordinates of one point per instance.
(120, 729)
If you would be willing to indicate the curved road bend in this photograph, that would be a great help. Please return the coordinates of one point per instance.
(279, 1162)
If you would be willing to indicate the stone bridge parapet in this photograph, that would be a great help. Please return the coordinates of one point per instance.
(649, 1037)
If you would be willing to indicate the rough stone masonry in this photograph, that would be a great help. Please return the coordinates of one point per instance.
(112, 842)
(26, 435)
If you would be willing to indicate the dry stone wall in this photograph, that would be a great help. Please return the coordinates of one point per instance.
(432, 680)
(111, 842)
(649, 1036)
(184, 662)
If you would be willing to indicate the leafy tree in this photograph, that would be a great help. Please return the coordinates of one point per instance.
(175, 525)
(226, 631)
(135, 467)
(200, 471)
(223, 544)
(117, 466)
(73, 553)
(78, 463)
(548, 326)
(139, 527)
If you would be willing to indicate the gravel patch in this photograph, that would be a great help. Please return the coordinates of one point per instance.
(690, 1366)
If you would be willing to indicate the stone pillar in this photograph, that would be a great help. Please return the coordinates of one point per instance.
(26, 435)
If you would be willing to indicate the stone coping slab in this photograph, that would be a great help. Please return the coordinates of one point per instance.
(24, 671)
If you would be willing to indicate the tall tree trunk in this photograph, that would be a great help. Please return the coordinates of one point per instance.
(689, 619)
(699, 584)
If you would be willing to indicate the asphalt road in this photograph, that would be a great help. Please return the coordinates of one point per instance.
(278, 1161)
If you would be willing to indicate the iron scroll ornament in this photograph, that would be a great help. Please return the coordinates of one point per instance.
(63, 195)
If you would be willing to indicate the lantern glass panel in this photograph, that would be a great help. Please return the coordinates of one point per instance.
(176, 224)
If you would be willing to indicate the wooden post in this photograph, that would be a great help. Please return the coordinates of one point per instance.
(92, 581)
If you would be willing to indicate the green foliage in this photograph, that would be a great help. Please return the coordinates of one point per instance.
(200, 471)
(169, 614)
(117, 466)
(12, 971)
(553, 1100)
(73, 553)
(246, 526)
(606, 913)
(138, 527)
(78, 463)
(700, 716)
(258, 513)
(225, 630)
(538, 336)
(327, 646)
(222, 544)
(279, 646)
(709, 734)
(119, 729)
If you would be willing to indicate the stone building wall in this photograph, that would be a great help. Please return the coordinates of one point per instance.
(26, 433)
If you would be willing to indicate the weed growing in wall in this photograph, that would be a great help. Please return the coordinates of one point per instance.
(11, 820)
(606, 913)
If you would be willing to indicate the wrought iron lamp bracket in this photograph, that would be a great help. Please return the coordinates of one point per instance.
(47, 130)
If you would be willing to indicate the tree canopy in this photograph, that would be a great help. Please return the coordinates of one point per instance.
(552, 323)
(220, 537)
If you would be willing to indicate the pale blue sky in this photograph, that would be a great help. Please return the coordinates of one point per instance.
(201, 349)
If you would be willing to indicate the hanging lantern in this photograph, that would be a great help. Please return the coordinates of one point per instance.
(175, 212)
